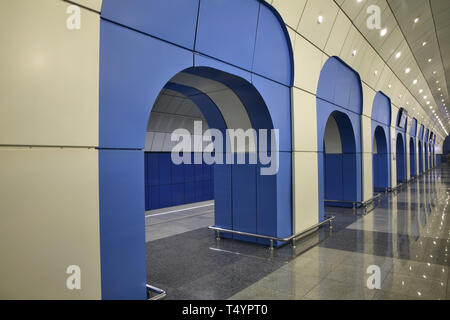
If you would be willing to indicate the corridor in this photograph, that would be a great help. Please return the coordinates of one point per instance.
(407, 236)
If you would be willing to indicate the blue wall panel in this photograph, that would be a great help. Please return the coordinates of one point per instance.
(271, 34)
(171, 20)
(131, 78)
(177, 184)
(122, 224)
(227, 30)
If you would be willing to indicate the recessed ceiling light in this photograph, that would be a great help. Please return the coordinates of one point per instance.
(383, 32)
(375, 72)
(398, 55)
(415, 81)
(424, 44)
(428, 102)
(425, 97)
(434, 72)
(389, 86)
(319, 19)
(354, 53)
(421, 90)
(429, 60)
(407, 70)
(437, 81)
(416, 20)
(439, 89)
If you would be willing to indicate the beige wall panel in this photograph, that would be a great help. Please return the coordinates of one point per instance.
(304, 117)
(290, 11)
(368, 97)
(92, 4)
(367, 176)
(366, 124)
(308, 64)
(309, 27)
(338, 35)
(306, 205)
(50, 220)
(393, 158)
(49, 89)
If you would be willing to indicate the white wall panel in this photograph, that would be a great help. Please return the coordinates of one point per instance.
(49, 204)
(304, 124)
(305, 190)
(49, 90)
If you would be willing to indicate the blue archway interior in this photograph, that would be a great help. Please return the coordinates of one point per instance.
(412, 147)
(426, 147)
(420, 147)
(401, 129)
(143, 44)
(339, 96)
(380, 161)
(381, 121)
(400, 153)
(412, 157)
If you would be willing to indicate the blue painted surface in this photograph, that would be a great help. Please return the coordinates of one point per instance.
(426, 147)
(122, 224)
(340, 85)
(413, 128)
(271, 34)
(130, 82)
(172, 20)
(381, 109)
(135, 66)
(339, 94)
(167, 184)
(380, 161)
(381, 121)
(227, 31)
(400, 158)
(412, 157)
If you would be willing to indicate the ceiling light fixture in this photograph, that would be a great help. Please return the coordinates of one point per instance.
(407, 70)
(416, 20)
(383, 32)
(319, 19)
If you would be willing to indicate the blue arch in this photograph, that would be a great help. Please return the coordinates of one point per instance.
(339, 94)
(413, 148)
(143, 44)
(340, 85)
(380, 160)
(426, 145)
(381, 122)
(420, 148)
(401, 158)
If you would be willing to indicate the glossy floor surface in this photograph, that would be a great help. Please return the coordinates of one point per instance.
(405, 240)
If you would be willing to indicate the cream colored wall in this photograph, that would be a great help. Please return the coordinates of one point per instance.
(48, 167)
(49, 206)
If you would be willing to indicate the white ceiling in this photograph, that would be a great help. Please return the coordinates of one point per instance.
(426, 80)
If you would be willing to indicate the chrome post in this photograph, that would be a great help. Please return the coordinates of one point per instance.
(217, 235)
(271, 244)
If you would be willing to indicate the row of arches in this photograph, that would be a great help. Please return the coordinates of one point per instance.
(339, 113)
(143, 53)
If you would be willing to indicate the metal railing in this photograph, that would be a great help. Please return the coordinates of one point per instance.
(271, 239)
(160, 293)
(359, 204)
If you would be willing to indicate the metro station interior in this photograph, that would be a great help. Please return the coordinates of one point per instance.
(224, 149)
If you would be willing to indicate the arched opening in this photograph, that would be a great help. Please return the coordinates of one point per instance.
(412, 157)
(339, 107)
(425, 144)
(421, 168)
(143, 55)
(380, 160)
(340, 161)
(400, 155)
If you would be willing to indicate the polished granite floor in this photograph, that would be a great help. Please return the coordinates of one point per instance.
(407, 236)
